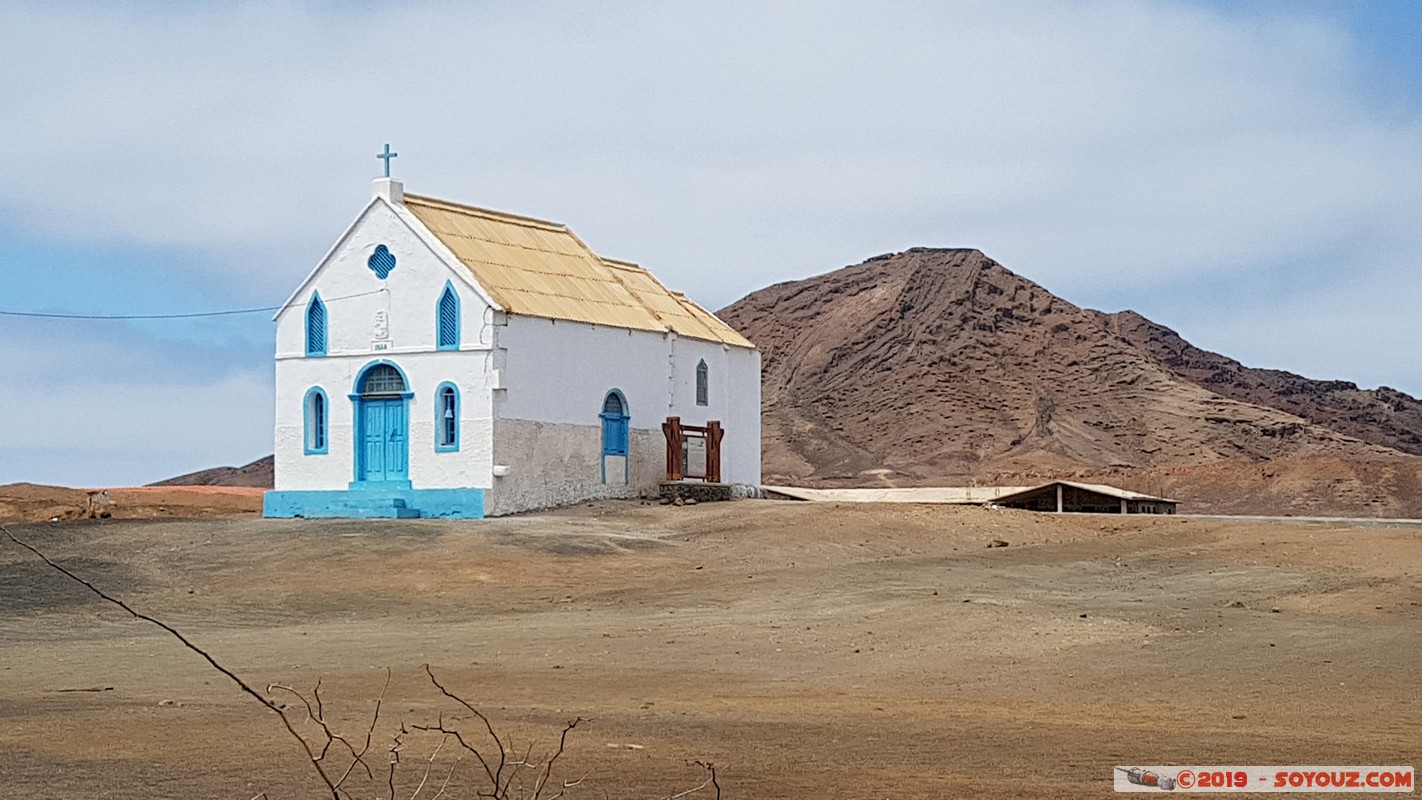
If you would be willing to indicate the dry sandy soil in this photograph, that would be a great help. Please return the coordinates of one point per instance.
(810, 650)
(29, 502)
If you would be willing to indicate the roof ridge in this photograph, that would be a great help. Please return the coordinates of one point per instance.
(623, 263)
(489, 212)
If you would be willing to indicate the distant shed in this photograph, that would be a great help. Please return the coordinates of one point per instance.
(1092, 498)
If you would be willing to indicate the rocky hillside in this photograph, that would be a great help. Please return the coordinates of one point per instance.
(1382, 416)
(939, 366)
(259, 473)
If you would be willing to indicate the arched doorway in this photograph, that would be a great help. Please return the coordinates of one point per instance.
(382, 452)
(615, 415)
(614, 424)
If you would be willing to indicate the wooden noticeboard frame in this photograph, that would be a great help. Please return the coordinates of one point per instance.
(676, 436)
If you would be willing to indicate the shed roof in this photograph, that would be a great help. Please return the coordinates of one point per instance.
(960, 495)
(1098, 488)
(542, 269)
(951, 495)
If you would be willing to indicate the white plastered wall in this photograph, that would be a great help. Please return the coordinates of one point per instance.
(554, 376)
(733, 381)
(354, 298)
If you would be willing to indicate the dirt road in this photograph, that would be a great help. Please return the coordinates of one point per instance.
(810, 651)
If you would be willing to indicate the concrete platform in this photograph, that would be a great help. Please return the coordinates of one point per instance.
(375, 504)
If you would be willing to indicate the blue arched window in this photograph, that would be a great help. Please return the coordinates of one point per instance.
(447, 319)
(316, 326)
(614, 424)
(447, 418)
(703, 389)
(316, 410)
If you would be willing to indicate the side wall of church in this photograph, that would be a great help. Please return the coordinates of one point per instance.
(370, 319)
(554, 378)
(733, 384)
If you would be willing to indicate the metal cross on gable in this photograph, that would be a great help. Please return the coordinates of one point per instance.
(386, 156)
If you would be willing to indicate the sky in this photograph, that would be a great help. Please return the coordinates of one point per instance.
(1246, 173)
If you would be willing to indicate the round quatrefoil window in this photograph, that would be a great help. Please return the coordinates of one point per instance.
(381, 262)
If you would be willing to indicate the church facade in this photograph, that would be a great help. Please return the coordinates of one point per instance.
(449, 361)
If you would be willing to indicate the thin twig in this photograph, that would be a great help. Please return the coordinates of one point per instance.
(241, 684)
(711, 768)
(359, 758)
(711, 781)
(396, 745)
(692, 790)
(429, 765)
(496, 774)
(439, 727)
(548, 769)
(445, 785)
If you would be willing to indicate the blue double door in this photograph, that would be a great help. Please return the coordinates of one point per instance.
(383, 454)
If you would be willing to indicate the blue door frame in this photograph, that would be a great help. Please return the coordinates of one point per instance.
(382, 436)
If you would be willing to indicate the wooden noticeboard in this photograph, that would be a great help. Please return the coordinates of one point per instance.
(693, 451)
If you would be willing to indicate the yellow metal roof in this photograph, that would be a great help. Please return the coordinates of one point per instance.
(673, 309)
(542, 269)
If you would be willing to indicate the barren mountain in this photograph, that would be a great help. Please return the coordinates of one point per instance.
(1382, 416)
(258, 473)
(941, 366)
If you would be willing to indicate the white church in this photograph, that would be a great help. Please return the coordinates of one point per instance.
(449, 361)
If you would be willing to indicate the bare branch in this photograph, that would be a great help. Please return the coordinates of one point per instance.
(429, 765)
(711, 781)
(711, 768)
(511, 766)
(316, 715)
(439, 727)
(396, 745)
(241, 684)
(359, 758)
(495, 774)
(449, 775)
(548, 769)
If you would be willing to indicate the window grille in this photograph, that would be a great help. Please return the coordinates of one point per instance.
(382, 379)
(612, 404)
(316, 327)
(448, 319)
(381, 262)
(703, 390)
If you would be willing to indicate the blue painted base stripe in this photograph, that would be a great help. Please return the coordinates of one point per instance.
(370, 504)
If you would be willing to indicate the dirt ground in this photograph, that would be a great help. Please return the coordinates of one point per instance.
(809, 650)
(29, 502)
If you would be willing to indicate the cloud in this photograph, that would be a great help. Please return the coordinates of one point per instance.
(1108, 150)
(1091, 142)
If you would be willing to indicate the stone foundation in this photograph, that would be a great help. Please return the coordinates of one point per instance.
(700, 491)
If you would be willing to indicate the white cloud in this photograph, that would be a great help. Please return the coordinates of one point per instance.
(1101, 141)
(1141, 145)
